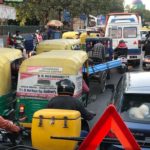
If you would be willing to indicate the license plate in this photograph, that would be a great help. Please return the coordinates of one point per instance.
(147, 65)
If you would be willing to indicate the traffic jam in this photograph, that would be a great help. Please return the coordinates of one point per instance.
(88, 90)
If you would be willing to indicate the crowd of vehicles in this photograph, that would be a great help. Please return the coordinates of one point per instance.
(29, 84)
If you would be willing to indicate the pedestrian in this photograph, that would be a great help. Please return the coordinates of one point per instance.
(9, 40)
(39, 36)
(65, 99)
(49, 32)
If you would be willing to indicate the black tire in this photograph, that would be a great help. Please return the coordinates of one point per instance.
(103, 79)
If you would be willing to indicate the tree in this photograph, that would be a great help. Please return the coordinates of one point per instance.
(44, 10)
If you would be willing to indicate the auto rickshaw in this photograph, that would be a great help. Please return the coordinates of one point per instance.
(9, 63)
(70, 35)
(58, 44)
(38, 76)
(99, 55)
(85, 35)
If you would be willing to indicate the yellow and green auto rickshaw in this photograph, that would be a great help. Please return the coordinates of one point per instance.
(38, 76)
(9, 63)
(70, 35)
(58, 44)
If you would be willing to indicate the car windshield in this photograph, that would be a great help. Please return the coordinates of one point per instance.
(136, 108)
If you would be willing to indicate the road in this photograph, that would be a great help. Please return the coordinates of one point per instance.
(99, 105)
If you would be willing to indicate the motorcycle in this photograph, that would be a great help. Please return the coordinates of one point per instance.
(124, 67)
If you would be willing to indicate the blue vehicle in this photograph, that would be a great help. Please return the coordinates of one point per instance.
(132, 100)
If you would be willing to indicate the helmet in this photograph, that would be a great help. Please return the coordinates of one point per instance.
(66, 87)
(122, 44)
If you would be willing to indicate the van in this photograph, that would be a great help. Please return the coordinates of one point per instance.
(130, 33)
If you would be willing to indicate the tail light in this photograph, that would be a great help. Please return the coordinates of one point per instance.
(21, 109)
(111, 135)
(139, 43)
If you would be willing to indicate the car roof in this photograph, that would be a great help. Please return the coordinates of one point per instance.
(137, 82)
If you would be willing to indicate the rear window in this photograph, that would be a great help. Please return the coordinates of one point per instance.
(115, 33)
(136, 108)
(130, 32)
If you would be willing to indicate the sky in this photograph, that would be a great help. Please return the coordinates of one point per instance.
(145, 2)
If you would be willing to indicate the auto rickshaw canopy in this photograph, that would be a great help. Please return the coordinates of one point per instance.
(11, 54)
(84, 35)
(70, 62)
(5, 75)
(70, 35)
(56, 44)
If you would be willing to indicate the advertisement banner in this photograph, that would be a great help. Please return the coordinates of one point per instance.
(44, 85)
(7, 12)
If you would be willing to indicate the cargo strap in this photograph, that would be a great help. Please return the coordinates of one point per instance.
(53, 121)
(40, 121)
(65, 122)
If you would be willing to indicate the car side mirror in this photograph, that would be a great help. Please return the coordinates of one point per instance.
(111, 86)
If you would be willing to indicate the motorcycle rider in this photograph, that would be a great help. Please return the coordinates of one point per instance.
(18, 40)
(146, 47)
(65, 99)
(121, 49)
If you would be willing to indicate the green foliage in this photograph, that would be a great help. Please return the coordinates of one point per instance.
(44, 10)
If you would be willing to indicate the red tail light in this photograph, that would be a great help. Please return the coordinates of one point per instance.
(135, 42)
(139, 43)
(111, 134)
(21, 109)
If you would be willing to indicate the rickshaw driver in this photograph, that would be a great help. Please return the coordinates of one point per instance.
(64, 100)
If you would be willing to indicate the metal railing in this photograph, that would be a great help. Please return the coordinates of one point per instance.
(4, 29)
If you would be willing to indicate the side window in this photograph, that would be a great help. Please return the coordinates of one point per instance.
(130, 32)
(119, 92)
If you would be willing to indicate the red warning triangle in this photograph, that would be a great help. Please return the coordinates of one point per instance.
(110, 120)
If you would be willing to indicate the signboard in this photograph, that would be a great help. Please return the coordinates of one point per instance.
(66, 16)
(42, 82)
(1, 1)
(7, 12)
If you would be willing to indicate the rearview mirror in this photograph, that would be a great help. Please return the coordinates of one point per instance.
(110, 86)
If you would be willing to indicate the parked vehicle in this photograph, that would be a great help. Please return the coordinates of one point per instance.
(38, 76)
(131, 98)
(127, 28)
(10, 60)
(58, 44)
